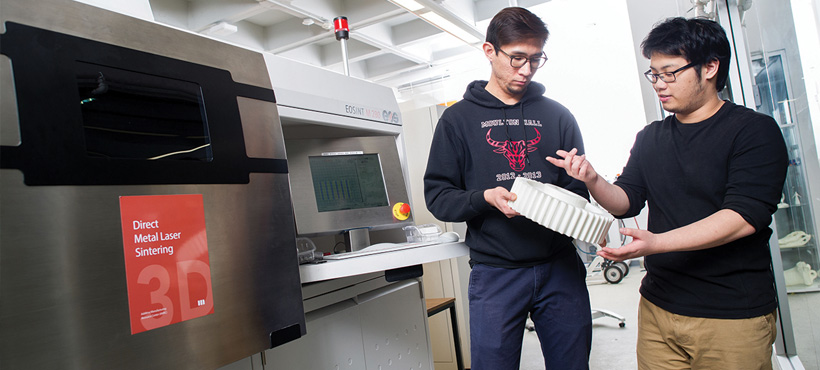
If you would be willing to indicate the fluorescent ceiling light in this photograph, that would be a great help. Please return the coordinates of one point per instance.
(410, 5)
(221, 29)
(449, 27)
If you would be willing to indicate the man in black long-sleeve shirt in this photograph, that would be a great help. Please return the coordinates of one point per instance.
(712, 175)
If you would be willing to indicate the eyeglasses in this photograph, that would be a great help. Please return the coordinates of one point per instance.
(665, 76)
(517, 61)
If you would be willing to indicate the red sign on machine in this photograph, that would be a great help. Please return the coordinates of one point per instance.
(166, 259)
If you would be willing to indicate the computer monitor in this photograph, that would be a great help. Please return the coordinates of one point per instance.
(347, 181)
(344, 184)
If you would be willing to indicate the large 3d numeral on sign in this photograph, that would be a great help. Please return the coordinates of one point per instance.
(161, 316)
(190, 306)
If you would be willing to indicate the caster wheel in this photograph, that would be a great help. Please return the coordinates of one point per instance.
(624, 267)
(621, 324)
(613, 274)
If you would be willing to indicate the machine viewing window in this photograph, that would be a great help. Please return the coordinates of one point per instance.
(134, 115)
(347, 182)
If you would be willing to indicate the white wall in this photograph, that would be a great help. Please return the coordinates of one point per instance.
(592, 70)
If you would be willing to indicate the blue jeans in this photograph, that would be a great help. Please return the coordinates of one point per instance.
(555, 296)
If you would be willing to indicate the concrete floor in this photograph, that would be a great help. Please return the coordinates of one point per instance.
(805, 313)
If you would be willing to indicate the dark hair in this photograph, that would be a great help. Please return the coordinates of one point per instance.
(515, 24)
(697, 40)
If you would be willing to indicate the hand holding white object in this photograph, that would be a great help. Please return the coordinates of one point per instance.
(643, 243)
(498, 198)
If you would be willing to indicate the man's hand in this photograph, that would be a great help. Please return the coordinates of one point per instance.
(643, 243)
(498, 198)
(576, 166)
(721, 227)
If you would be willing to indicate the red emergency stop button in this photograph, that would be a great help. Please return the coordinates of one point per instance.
(401, 211)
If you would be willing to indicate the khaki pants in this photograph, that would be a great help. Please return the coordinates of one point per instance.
(667, 341)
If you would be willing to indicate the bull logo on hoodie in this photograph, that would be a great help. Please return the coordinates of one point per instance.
(514, 151)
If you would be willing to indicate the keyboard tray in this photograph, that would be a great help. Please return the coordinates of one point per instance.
(378, 248)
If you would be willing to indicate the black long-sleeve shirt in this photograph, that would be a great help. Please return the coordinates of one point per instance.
(735, 160)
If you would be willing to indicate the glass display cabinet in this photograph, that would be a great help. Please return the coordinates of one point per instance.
(794, 220)
(795, 225)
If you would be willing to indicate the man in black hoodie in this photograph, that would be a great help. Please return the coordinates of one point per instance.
(504, 128)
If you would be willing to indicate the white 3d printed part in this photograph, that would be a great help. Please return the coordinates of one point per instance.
(560, 210)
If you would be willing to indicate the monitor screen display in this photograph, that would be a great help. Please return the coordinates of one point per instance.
(347, 182)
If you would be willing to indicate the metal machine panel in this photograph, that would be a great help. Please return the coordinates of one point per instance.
(62, 278)
(310, 220)
(371, 325)
(395, 332)
(307, 88)
(63, 292)
(333, 342)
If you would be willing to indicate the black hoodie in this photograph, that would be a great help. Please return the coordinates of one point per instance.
(480, 143)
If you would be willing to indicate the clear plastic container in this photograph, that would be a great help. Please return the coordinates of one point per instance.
(422, 233)
(306, 250)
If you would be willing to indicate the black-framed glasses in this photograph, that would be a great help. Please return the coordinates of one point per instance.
(518, 61)
(666, 76)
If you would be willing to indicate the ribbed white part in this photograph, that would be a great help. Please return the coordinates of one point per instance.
(560, 210)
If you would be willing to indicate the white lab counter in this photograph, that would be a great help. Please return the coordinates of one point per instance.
(334, 269)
